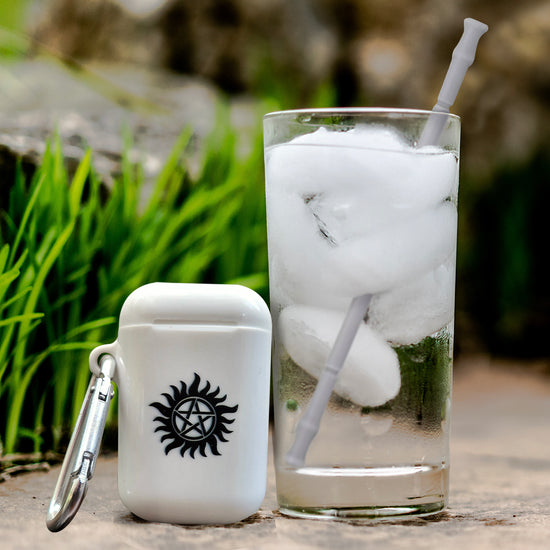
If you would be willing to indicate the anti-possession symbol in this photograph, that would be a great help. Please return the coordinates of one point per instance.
(193, 418)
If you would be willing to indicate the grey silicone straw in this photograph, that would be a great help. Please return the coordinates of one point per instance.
(308, 426)
(463, 56)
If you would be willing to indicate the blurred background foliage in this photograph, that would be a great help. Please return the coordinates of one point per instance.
(121, 83)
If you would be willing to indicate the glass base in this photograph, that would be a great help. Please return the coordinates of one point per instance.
(363, 493)
(366, 513)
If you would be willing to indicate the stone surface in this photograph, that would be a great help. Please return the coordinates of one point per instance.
(41, 97)
(100, 107)
(500, 487)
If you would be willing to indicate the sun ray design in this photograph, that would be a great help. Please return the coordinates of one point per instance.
(193, 419)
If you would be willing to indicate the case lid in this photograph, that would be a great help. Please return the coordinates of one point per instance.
(187, 303)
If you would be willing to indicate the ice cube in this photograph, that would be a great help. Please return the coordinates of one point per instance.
(371, 202)
(367, 172)
(406, 315)
(332, 201)
(376, 136)
(374, 426)
(298, 253)
(370, 375)
(400, 253)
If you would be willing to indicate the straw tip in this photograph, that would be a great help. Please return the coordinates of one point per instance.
(476, 25)
(294, 461)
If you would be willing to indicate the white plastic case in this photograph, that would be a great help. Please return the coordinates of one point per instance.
(192, 369)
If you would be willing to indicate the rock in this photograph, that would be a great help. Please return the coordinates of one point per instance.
(44, 98)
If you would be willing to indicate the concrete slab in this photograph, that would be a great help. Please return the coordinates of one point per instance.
(500, 490)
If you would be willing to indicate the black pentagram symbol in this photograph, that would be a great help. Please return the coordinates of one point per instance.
(193, 418)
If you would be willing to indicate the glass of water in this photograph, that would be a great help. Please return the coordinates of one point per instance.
(356, 207)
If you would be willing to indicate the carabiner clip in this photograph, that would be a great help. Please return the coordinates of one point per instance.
(79, 463)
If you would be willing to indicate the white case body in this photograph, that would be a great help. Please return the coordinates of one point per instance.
(170, 334)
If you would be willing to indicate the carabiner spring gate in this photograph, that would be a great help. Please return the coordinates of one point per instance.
(80, 459)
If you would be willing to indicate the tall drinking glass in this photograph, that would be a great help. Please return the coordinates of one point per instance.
(356, 207)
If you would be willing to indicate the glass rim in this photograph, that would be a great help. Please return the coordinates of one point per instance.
(357, 111)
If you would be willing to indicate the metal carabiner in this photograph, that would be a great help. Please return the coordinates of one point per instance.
(79, 463)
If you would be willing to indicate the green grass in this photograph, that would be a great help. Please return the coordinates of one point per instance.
(12, 13)
(12, 22)
(70, 253)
